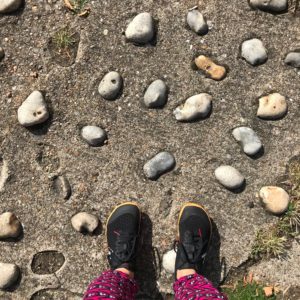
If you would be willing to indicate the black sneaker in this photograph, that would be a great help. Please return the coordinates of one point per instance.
(122, 231)
(194, 235)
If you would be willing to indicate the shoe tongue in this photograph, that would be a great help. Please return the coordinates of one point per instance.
(192, 244)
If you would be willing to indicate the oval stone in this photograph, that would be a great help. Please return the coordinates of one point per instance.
(229, 177)
(111, 85)
(156, 94)
(93, 135)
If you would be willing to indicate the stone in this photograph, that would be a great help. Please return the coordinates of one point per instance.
(197, 22)
(2, 53)
(10, 226)
(194, 108)
(168, 261)
(111, 85)
(8, 6)
(211, 69)
(254, 52)
(270, 5)
(141, 29)
(84, 222)
(275, 199)
(158, 165)
(33, 110)
(9, 275)
(293, 59)
(93, 135)
(229, 177)
(273, 106)
(62, 186)
(156, 94)
(249, 140)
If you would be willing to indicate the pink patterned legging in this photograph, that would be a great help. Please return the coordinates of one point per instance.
(117, 285)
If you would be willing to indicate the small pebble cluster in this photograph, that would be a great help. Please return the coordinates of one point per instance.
(142, 31)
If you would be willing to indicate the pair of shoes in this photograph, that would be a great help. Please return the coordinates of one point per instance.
(123, 227)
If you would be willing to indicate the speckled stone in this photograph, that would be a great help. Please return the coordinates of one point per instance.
(269, 5)
(10, 226)
(93, 135)
(8, 6)
(156, 94)
(111, 85)
(85, 222)
(249, 140)
(293, 59)
(210, 68)
(196, 22)
(275, 199)
(168, 261)
(141, 29)
(254, 52)
(158, 165)
(229, 177)
(9, 275)
(195, 107)
(273, 106)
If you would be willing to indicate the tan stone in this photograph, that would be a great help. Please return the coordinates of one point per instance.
(273, 106)
(275, 199)
(210, 68)
(10, 226)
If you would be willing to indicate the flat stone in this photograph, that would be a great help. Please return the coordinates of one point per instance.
(254, 52)
(2, 53)
(8, 6)
(10, 226)
(194, 108)
(93, 135)
(111, 85)
(85, 222)
(9, 275)
(249, 140)
(156, 94)
(168, 261)
(269, 5)
(33, 110)
(273, 106)
(229, 177)
(293, 59)
(159, 164)
(141, 29)
(211, 69)
(197, 22)
(275, 199)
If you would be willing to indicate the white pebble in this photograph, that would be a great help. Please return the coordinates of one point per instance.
(10, 226)
(273, 106)
(168, 262)
(85, 222)
(229, 177)
(197, 22)
(110, 86)
(93, 135)
(9, 274)
(254, 52)
(293, 59)
(156, 94)
(269, 5)
(8, 6)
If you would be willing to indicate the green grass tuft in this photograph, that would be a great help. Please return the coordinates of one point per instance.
(78, 5)
(63, 39)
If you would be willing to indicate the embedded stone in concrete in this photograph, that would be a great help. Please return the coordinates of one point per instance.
(47, 262)
(93, 135)
(195, 107)
(168, 262)
(2, 53)
(9, 275)
(10, 226)
(254, 52)
(210, 68)
(275, 199)
(8, 6)
(197, 22)
(229, 177)
(84, 222)
(248, 139)
(273, 106)
(62, 186)
(33, 110)
(293, 59)
(159, 164)
(269, 5)
(141, 29)
(111, 85)
(156, 94)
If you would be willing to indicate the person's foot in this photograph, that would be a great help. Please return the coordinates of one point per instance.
(194, 234)
(122, 230)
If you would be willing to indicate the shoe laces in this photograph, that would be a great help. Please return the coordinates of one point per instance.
(125, 246)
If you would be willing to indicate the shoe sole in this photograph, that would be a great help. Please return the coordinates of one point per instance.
(202, 208)
(118, 206)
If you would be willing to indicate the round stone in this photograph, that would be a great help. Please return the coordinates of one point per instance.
(93, 135)
(269, 5)
(158, 165)
(141, 29)
(33, 110)
(229, 177)
(8, 6)
(85, 222)
(156, 94)
(111, 85)
(254, 52)
(10, 226)
(2, 53)
(211, 69)
(9, 275)
(275, 199)
(194, 108)
(249, 140)
(168, 261)
(197, 22)
(273, 106)
(293, 59)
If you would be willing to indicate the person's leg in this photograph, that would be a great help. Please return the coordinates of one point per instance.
(194, 232)
(122, 230)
